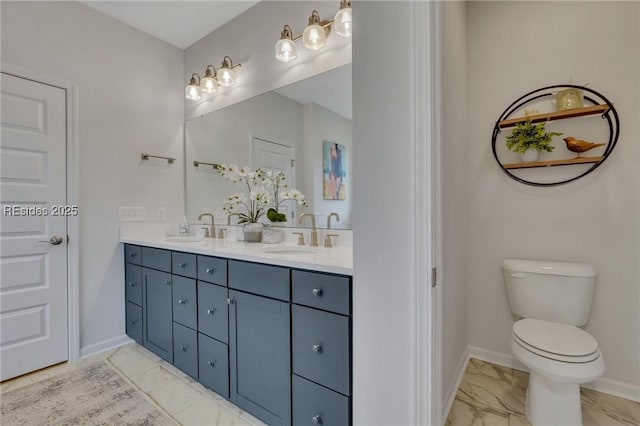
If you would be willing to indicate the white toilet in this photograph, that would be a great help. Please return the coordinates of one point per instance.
(553, 299)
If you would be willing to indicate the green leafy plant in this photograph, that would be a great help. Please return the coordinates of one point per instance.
(527, 135)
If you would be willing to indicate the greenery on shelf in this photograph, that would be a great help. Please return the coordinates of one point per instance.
(527, 135)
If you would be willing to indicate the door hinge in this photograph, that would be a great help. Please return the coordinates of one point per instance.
(434, 277)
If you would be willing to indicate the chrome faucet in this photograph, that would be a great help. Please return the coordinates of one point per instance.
(329, 219)
(314, 231)
(212, 228)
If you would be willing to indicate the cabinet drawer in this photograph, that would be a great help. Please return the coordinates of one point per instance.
(212, 270)
(156, 258)
(184, 301)
(213, 311)
(133, 283)
(321, 347)
(132, 254)
(185, 349)
(183, 264)
(265, 280)
(133, 318)
(322, 291)
(213, 364)
(317, 405)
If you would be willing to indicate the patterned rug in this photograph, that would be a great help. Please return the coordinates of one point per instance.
(92, 394)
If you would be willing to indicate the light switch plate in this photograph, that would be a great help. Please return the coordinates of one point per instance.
(132, 214)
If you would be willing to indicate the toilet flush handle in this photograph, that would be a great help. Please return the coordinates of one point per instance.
(517, 275)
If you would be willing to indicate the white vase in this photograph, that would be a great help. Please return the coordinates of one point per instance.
(530, 155)
(252, 232)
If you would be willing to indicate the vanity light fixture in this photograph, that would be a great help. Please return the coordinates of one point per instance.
(192, 91)
(209, 84)
(314, 36)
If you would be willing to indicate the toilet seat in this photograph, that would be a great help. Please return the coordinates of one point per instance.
(555, 341)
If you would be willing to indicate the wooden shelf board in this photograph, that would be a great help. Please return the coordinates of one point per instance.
(569, 113)
(551, 163)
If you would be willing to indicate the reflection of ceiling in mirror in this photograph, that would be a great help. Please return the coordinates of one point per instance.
(331, 90)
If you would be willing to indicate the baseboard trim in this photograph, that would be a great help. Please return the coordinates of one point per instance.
(612, 387)
(105, 345)
(451, 395)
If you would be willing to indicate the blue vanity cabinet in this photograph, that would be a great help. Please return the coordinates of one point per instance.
(133, 292)
(157, 313)
(133, 317)
(185, 349)
(213, 364)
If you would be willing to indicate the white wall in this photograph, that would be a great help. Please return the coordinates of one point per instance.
(249, 39)
(223, 137)
(324, 125)
(130, 89)
(454, 141)
(514, 47)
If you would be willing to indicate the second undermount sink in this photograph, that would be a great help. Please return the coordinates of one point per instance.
(289, 250)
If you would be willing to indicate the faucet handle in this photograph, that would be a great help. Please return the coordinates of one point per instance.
(327, 240)
(206, 232)
(221, 232)
(300, 238)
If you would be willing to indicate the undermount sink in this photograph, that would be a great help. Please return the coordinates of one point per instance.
(289, 250)
(184, 239)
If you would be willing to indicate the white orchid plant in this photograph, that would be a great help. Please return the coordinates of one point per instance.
(260, 201)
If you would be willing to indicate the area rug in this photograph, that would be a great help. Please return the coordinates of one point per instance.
(92, 394)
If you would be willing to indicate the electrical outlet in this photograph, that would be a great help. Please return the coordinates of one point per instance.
(132, 214)
(160, 214)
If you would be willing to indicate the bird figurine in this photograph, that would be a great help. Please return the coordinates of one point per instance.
(579, 146)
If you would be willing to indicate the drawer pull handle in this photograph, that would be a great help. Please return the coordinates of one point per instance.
(134, 322)
(209, 311)
(131, 284)
(317, 348)
(210, 270)
(317, 420)
(183, 265)
(182, 301)
(183, 348)
(167, 282)
(317, 292)
(211, 363)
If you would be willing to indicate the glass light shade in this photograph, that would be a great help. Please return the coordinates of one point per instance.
(226, 77)
(209, 85)
(193, 92)
(314, 37)
(286, 50)
(343, 22)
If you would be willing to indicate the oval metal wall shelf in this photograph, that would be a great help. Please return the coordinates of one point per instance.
(599, 104)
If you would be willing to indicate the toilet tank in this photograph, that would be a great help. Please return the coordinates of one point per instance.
(552, 291)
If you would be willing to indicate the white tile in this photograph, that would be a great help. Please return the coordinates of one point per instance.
(152, 379)
(175, 395)
(203, 413)
(130, 362)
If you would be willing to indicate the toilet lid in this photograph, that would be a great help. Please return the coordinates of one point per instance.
(554, 338)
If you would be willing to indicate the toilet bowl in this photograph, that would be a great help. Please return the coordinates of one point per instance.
(553, 299)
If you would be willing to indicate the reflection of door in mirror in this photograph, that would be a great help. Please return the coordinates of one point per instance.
(276, 157)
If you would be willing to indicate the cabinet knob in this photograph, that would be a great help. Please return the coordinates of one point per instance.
(211, 363)
(183, 348)
(167, 282)
(230, 301)
(134, 322)
(317, 292)
(317, 348)
(183, 265)
(209, 311)
(131, 284)
(132, 254)
(210, 270)
(317, 420)
(182, 301)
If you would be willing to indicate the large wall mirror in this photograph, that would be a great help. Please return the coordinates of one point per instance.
(303, 129)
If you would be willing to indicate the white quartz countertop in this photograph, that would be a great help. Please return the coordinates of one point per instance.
(337, 260)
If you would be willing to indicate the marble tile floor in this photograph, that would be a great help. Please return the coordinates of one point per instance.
(183, 399)
(492, 395)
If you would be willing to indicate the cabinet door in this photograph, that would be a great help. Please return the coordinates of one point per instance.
(185, 349)
(213, 311)
(158, 330)
(260, 359)
(184, 301)
(133, 283)
(213, 363)
(134, 322)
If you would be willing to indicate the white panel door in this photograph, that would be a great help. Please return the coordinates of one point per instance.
(33, 275)
(277, 158)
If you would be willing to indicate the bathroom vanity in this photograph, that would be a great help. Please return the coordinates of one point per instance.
(269, 331)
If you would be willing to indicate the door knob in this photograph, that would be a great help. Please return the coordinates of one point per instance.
(54, 241)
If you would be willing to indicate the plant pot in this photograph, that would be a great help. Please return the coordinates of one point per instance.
(252, 232)
(530, 156)
(271, 235)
